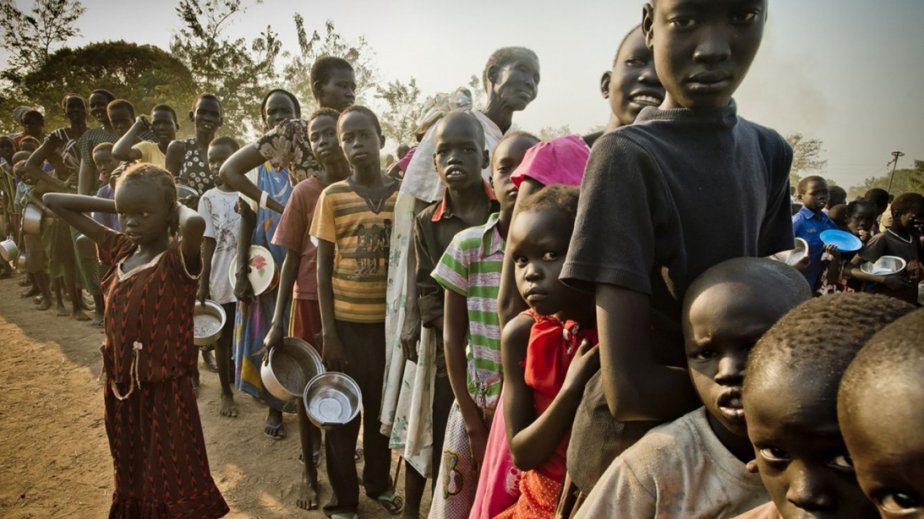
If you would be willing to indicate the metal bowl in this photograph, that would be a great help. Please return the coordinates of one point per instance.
(21, 261)
(32, 219)
(208, 321)
(332, 399)
(287, 370)
(884, 266)
(8, 250)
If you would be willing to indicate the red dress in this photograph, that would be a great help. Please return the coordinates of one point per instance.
(152, 420)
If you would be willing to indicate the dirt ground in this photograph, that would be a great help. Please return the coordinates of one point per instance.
(54, 456)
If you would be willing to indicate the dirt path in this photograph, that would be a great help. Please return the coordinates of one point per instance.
(54, 457)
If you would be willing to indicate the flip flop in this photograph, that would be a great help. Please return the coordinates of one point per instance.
(391, 502)
(276, 432)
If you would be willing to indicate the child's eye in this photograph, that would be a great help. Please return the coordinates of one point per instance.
(898, 503)
(842, 462)
(743, 18)
(774, 454)
(704, 354)
(683, 22)
(519, 261)
(550, 256)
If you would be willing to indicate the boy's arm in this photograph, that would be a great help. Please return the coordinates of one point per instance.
(208, 251)
(44, 181)
(636, 385)
(86, 178)
(333, 354)
(234, 173)
(72, 209)
(173, 161)
(192, 225)
(122, 149)
(429, 292)
(243, 291)
(287, 276)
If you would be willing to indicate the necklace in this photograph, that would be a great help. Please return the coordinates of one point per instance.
(890, 231)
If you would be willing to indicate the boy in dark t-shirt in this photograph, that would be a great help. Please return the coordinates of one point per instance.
(688, 186)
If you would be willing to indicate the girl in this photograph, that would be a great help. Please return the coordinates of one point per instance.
(161, 468)
(902, 239)
(547, 354)
(861, 216)
(188, 159)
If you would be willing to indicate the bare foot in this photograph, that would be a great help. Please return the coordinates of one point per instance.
(60, 311)
(45, 304)
(30, 292)
(80, 315)
(274, 427)
(98, 319)
(308, 493)
(227, 406)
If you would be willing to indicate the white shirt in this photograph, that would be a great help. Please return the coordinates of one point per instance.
(223, 224)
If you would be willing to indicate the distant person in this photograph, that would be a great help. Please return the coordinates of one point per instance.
(810, 222)
(187, 159)
(163, 124)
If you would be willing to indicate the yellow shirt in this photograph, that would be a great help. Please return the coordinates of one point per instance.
(150, 152)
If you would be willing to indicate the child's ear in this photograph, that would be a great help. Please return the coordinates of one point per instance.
(605, 84)
(192, 117)
(487, 160)
(751, 467)
(648, 24)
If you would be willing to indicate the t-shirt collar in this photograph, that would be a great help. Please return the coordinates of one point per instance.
(443, 210)
(491, 240)
(726, 116)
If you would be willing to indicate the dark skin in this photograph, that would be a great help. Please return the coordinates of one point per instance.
(233, 173)
(162, 125)
(882, 428)
(800, 454)
(907, 225)
(511, 87)
(814, 197)
(632, 84)
(206, 118)
(121, 119)
(339, 91)
(538, 242)
(860, 223)
(98, 104)
(34, 125)
(217, 155)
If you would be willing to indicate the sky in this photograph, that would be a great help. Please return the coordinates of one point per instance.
(848, 72)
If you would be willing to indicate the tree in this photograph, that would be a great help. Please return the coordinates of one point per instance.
(298, 70)
(550, 132)
(403, 109)
(905, 180)
(143, 74)
(29, 38)
(806, 156)
(235, 71)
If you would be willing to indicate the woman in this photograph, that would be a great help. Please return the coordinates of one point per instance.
(187, 159)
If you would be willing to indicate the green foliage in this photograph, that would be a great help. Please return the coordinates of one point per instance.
(298, 69)
(29, 38)
(403, 108)
(806, 157)
(236, 71)
(905, 180)
(143, 74)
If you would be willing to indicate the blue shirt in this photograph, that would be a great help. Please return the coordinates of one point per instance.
(809, 226)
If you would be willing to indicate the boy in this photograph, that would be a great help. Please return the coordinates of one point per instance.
(351, 297)
(163, 125)
(695, 465)
(333, 83)
(106, 166)
(646, 227)
(219, 246)
(880, 408)
(790, 400)
(810, 222)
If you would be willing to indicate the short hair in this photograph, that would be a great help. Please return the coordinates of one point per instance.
(558, 197)
(504, 56)
(365, 111)
(153, 175)
(622, 43)
(226, 141)
(32, 113)
(322, 70)
(68, 96)
(518, 133)
(165, 108)
(823, 334)
(907, 202)
(105, 93)
(878, 196)
(324, 112)
(803, 184)
(779, 284)
(836, 194)
(462, 113)
(22, 156)
(120, 103)
(29, 138)
(210, 97)
(897, 348)
(7, 138)
(290, 95)
(103, 146)
(857, 205)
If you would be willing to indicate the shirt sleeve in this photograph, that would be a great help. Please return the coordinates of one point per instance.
(451, 271)
(429, 292)
(619, 493)
(112, 247)
(145, 148)
(287, 146)
(205, 210)
(776, 229)
(322, 226)
(293, 226)
(875, 248)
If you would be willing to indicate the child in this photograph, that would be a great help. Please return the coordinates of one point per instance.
(836, 196)
(790, 400)
(810, 222)
(163, 125)
(187, 159)
(645, 230)
(106, 166)
(902, 239)
(93, 137)
(351, 297)
(695, 465)
(548, 352)
(880, 408)
(469, 271)
(860, 217)
(299, 272)
(333, 83)
(151, 415)
(881, 199)
(219, 245)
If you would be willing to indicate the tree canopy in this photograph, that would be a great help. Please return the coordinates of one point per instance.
(905, 180)
(29, 38)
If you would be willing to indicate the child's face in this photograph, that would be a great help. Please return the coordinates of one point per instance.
(33, 125)
(278, 108)
(322, 133)
(7, 149)
(217, 155)
(703, 49)
(359, 139)
(144, 218)
(459, 157)
(507, 156)
(800, 454)
(517, 82)
(722, 325)
(883, 433)
(815, 196)
(912, 221)
(207, 116)
(163, 126)
(633, 83)
(104, 164)
(98, 104)
(75, 109)
(538, 243)
(339, 90)
(861, 222)
(121, 119)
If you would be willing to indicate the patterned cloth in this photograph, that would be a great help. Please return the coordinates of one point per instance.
(287, 146)
(359, 224)
(499, 481)
(152, 420)
(195, 172)
(222, 224)
(538, 497)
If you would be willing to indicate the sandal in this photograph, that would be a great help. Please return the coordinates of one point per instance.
(391, 502)
(343, 515)
(276, 431)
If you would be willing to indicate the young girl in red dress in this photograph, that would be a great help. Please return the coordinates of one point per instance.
(549, 351)
(152, 266)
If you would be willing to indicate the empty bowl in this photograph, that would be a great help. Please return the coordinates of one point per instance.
(884, 266)
(332, 399)
(208, 321)
(287, 370)
(8, 250)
